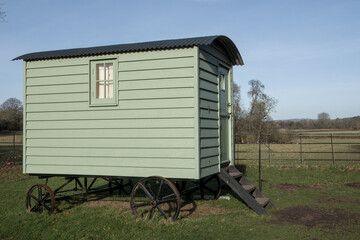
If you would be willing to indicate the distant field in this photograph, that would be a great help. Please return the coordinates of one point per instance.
(307, 147)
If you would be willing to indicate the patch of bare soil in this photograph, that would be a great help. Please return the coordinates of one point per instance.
(331, 200)
(287, 187)
(192, 210)
(353, 184)
(314, 216)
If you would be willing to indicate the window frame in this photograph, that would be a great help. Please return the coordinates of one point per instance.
(93, 101)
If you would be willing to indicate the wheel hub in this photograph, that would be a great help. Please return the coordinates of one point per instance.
(153, 203)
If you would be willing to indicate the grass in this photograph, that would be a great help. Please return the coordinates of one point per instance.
(111, 218)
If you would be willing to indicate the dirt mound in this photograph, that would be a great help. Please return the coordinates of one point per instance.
(353, 184)
(330, 200)
(287, 187)
(314, 216)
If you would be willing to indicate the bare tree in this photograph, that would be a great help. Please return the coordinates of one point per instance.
(260, 107)
(2, 15)
(11, 113)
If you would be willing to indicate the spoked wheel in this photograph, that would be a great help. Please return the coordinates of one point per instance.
(40, 198)
(205, 188)
(155, 196)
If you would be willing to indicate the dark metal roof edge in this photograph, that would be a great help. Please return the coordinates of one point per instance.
(230, 47)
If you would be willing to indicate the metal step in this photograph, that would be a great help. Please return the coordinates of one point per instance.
(263, 201)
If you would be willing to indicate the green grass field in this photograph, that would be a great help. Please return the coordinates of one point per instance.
(312, 203)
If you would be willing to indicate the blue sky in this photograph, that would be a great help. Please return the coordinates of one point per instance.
(306, 52)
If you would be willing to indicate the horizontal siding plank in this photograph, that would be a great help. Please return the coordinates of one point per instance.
(57, 98)
(209, 152)
(156, 84)
(214, 52)
(111, 143)
(209, 142)
(114, 114)
(207, 57)
(73, 88)
(167, 153)
(209, 86)
(58, 80)
(113, 124)
(209, 170)
(159, 54)
(119, 162)
(156, 64)
(156, 74)
(111, 171)
(157, 93)
(123, 104)
(209, 133)
(208, 95)
(115, 133)
(208, 105)
(209, 114)
(208, 123)
(208, 76)
(210, 161)
(58, 71)
(208, 67)
(57, 62)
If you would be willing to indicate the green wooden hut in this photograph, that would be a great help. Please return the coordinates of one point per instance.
(143, 109)
(139, 110)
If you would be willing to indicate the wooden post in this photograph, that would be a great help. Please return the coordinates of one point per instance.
(332, 148)
(14, 153)
(301, 155)
(259, 140)
(269, 153)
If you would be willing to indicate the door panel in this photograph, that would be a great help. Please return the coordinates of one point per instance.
(224, 114)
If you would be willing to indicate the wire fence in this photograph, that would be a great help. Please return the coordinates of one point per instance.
(11, 148)
(312, 148)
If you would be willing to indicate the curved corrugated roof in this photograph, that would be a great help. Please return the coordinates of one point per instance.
(228, 45)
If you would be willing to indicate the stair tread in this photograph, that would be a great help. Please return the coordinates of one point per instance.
(235, 174)
(263, 201)
(249, 187)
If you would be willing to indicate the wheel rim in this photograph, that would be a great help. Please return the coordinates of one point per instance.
(155, 196)
(40, 198)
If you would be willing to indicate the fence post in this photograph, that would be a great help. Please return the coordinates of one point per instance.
(301, 155)
(269, 153)
(14, 152)
(259, 139)
(332, 148)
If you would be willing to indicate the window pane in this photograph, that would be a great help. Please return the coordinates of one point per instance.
(109, 89)
(109, 71)
(100, 89)
(222, 82)
(99, 71)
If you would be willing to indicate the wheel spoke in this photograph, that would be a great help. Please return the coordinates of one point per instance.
(137, 205)
(152, 213)
(46, 207)
(167, 200)
(159, 190)
(148, 194)
(35, 198)
(150, 189)
(161, 211)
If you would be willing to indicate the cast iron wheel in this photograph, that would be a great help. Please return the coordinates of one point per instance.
(153, 196)
(40, 198)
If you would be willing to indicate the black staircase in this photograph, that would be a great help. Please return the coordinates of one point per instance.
(245, 189)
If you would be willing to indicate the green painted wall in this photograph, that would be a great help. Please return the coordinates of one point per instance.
(152, 131)
(209, 61)
(166, 121)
